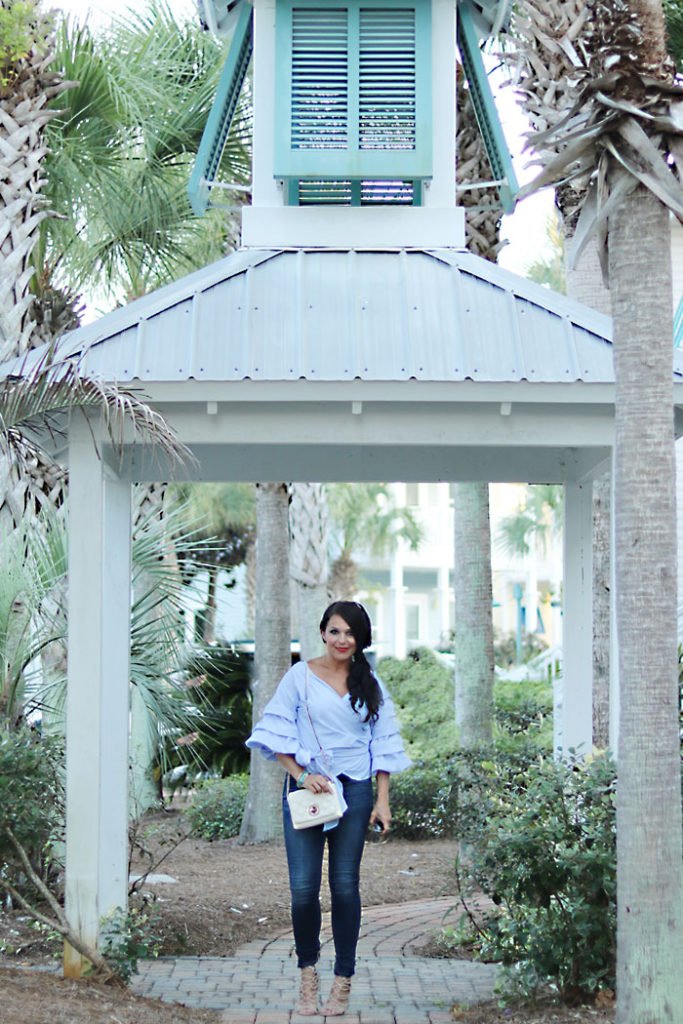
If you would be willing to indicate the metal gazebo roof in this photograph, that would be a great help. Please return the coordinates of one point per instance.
(341, 316)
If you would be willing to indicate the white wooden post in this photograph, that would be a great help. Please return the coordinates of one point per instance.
(573, 711)
(399, 606)
(97, 700)
(445, 592)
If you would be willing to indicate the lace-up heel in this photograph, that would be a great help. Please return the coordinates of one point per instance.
(338, 999)
(307, 1004)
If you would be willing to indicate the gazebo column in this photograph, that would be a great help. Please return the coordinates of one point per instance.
(573, 703)
(97, 699)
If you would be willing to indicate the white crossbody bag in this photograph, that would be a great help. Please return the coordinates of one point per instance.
(308, 809)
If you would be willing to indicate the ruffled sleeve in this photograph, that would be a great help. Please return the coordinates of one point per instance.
(277, 730)
(387, 753)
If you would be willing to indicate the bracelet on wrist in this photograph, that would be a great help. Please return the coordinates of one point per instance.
(300, 781)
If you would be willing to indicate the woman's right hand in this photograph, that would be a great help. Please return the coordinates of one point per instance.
(317, 784)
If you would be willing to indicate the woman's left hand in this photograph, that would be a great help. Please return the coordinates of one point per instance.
(381, 815)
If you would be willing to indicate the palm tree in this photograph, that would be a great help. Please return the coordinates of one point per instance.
(535, 521)
(473, 587)
(122, 150)
(34, 399)
(309, 529)
(551, 42)
(221, 520)
(28, 80)
(365, 518)
(621, 134)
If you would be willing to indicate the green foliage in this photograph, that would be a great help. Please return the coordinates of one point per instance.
(550, 268)
(523, 716)
(31, 802)
(540, 838)
(33, 559)
(121, 152)
(537, 519)
(364, 517)
(505, 648)
(424, 799)
(417, 796)
(673, 12)
(422, 690)
(129, 936)
(217, 808)
(218, 687)
(17, 33)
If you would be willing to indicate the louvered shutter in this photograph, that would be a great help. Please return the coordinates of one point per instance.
(387, 80)
(353, 88)
(319, 112)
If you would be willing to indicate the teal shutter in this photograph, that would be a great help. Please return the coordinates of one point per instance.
(484, 106)
(353, 86)
(387, 115)
(319, 111)
(215, 133)
(678, 324)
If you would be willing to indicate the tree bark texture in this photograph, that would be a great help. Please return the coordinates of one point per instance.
(343, 583)
(585, 283)
(602, 588)
(473, 614)
(649, 876)
(262, 815)
(308, 517)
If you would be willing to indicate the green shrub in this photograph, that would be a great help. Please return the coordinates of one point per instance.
(523, 716)
(541, 843)
(217, 808)
(427, 800)
(31, 803)
(218, 684)
(505, 648)
(422, 690)
(129, 936)
(415, 799)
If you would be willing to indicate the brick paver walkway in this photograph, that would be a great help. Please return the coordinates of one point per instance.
(392, 984)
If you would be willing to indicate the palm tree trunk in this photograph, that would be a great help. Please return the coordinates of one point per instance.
(649, 875)
(585, 283)
(602, 602)
(473, 614)
(209, 618)
(262, 818)
(473, 589)
(308, 518)
(344, 578)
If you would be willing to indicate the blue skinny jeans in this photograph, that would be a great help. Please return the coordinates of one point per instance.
(305, 848)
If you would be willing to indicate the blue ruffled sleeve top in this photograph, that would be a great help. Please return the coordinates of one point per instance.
(351, 746)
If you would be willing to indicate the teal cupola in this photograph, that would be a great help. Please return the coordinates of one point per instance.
(354, 118)
(353, 112)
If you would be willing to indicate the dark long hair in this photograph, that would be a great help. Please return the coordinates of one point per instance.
(363, 686)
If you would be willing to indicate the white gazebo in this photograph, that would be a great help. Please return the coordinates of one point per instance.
(351, 338)
(275, 365)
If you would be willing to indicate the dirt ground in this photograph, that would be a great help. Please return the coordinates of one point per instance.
(223, 895)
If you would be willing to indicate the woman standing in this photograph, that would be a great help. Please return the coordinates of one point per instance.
(331, 723)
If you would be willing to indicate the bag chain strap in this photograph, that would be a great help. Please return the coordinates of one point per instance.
(322, 752)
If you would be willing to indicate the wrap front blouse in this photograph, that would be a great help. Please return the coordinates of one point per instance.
(351, 746)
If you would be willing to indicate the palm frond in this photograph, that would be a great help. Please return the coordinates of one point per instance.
(32, 399)
(122, 150)
(603, 103)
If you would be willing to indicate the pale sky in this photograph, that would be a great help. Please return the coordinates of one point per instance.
(525, 229)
